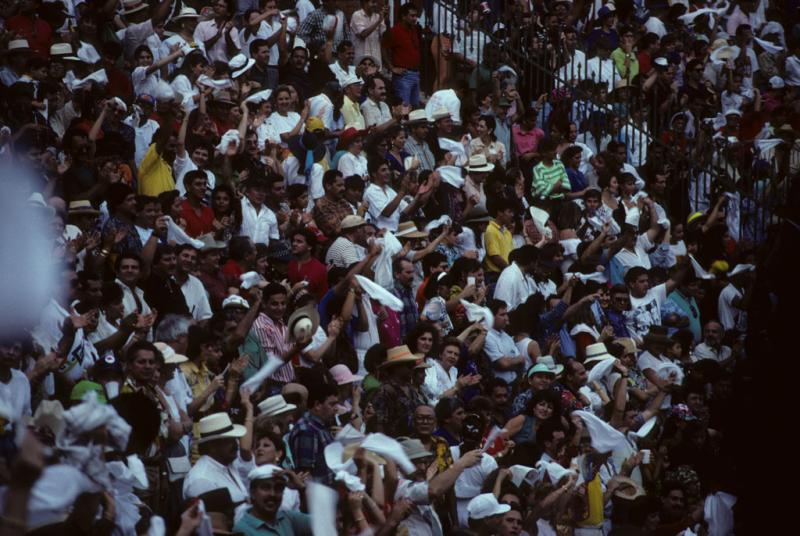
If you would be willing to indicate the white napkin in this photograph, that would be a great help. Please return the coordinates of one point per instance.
(351, 482)
(769, 47)
(216, 84)
(349, 435)
(231, 136)
(522, 473)
(273, 363)
(444, 98)
(689, 17)
(765, 145)
(455, 147)
(259, 96)
(387, 447)
(553, 470)
(667, 371)
(644, 429)
(179, 236)
(382, 267)
(699, 271)
(157, 526)
(333, 459)
(600, 277)
(322, 508)
(476, 313)
(604, 437)
(452, 176)
(739, 268)
(380, 294)
(600, 370)
(98, 76)
(250, 280)
(444, 220)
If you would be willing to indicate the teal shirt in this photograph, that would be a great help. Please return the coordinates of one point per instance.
(287, 523)
(690, 309)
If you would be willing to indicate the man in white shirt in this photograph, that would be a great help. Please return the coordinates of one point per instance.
(712, 347)
(374, 109)
(733, 300)
(601, 68)
(48, 332)
(219, 450)
(219, 35)
(575, 68)
(258, 221)
(646, 302)
(515, 283)
(15, 390)
(140, 23)
(193, 290)
(343, 67)
(500, 347)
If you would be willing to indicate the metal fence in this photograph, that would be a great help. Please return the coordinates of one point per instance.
(583, 88)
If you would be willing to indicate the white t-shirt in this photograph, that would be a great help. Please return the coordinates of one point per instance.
(645, 311)
(276, 125)
(350, 164)
(730, 316)
(144, 83)
(378, 198)
(17, 395)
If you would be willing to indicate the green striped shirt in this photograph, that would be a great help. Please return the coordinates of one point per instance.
(545, 178)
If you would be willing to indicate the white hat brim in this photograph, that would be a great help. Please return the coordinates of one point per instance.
(247, 67)
(237, 432)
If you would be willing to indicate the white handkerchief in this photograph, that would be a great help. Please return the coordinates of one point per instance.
(600, 277)
(99, 77)
(554, 471)
(260, 96)
(179, 236)
(699, 271)
(671, 372)
(382, 267)
(273, 363)
(351, 482)
(230, 137)
(157, 526)
(333, 454)
(216, 84)
(387, 447)
(604, 437)
(523, 473)
(766, 145)
(322, 508)
(452, 176)
(600, 371)
(380, 294)
(769, 47)
(136, 467)
(476, 313)
(444, 220)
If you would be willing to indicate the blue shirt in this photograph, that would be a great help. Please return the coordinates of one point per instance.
(577, 180)
(287, 523)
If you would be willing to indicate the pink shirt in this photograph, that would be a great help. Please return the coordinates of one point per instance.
(526, 142)
(273, 337)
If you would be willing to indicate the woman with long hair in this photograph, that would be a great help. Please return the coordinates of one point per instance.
(486, 142)
(184, 80)
(227, 212)
(284, 122)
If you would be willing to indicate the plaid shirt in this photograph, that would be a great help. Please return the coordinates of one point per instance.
(307, 442)
(272, 336)
(410, 314)
(394, 408)
(329, 214)
(313, 33)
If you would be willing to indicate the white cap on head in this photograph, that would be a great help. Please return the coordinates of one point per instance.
(485, 505)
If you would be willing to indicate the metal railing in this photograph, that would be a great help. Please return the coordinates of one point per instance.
(701, 167)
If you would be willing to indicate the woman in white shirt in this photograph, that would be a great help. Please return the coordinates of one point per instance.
(353, 161)
(486, 143)
(283, 123)
(146, 76)
(442, 378)
(385, 205)
(184, 81)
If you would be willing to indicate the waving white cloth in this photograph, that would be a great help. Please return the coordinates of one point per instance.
(599, 277)
(273, 363)
(455, 147)
(333, 454)
(351, 482)
(349, 435)
(670, 371)
(91, 415)
(387, 447)
(540, 218)
(604, 437)
(451, 175)
(230, 137)
(179, 236)
(644, 429)
(99, 77)
(600, 370)
(216, 84)
(444, 220)
(688, 18)
(767, 46)
(718, 513)
(476, 313)
(380, 294)
(699, 271)
(765, 145)
(126, 478)
(322, 507)
(260, 96)
(382, 267)
(553, 470)
(444, 98)
(523, 473)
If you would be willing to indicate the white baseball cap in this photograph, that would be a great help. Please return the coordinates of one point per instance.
(485, 505)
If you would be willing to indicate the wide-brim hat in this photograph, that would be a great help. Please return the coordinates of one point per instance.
(219, 426)
(399, 355)
(210, 243)
(303, 323)
(414, 449)
(81, 207)
(300, 144)
(724, 53)
(171, 357)
(628, 489)
(409, 230)
(351, 221)
(240, 64)
(628, 345)
(416, 117)
(235, 301)
(18, 45)
(440, 113)
(597, 352)
(274, 406)
(540, 368)
(478, 164)
(550, 363)
(657, 335)
(186, 12)
(478, 216)
(133, 6)
(350, 80)
(342, 374)
(62, 51)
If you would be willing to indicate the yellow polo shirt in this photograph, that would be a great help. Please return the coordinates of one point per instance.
(155, 175)
(497, 241)
(352, 114)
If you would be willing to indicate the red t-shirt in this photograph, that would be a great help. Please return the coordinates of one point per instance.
(403, 43)
(197, 224)
(36, 32)
(312, 271)
(232, 269)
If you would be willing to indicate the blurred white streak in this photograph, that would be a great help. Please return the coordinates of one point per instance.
(27, 274)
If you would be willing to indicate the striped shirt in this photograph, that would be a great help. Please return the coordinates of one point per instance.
(545, 179)
(272, 336)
